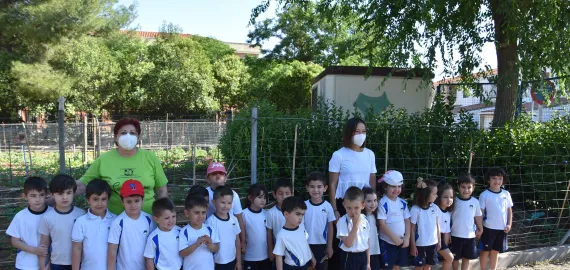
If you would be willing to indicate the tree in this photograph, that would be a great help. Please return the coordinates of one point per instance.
(307, 37)
(528, 35)
(231, 78)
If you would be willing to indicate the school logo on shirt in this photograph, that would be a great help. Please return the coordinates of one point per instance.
(145, 232)
(128, 172)
(432, 212)
(402, 209)
(470, 206)
(324, 211)
(234, 224)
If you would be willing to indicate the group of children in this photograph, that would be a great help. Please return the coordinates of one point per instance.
(293, 234)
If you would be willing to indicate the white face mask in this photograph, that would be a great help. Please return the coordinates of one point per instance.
(128, 141)
(359, 139)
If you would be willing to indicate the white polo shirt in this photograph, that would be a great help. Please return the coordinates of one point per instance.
(426, 221)
(58, 226)
(227, 229)
(236, 204)
(394, 213)
(374, 242)
(495, 205)
(463, 217)
(24, 226)
(162, 247)
(93, 232)
(201, 258)
(317, 219)
(344, 226)
(293, 246)
(131, 235)
(445, 221)
(255, 236)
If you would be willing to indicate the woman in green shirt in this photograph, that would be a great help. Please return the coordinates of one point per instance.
(126, 162)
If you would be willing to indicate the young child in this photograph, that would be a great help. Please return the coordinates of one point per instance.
(319, 219)
(56, 226)
(466, 224)
(275, 220)
(197, 242)
(129, 231)
(394, 220)
(91, 231)
(254, 216)
(292, 250)
(496, 204)
(371, 212)
(227, 226)
(24, 227)
(445, 202)
(353, 232)
(216, 176)
(161, 251)
(199, 190)
(425, 236)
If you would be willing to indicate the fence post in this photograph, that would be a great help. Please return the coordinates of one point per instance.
(85, 139)
(61, 125)
(254, 145)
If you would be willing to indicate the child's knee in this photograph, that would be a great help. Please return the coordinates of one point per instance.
(448, 257)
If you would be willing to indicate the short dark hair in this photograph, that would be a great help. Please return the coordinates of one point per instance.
(496, 172)
(97, 187)
(223, 191)
(127, 121)
(349, 130)
(422, 194)
(317, 176)
(291, 203)
(465, 178)
(354, 193)
(35, 183)
(161, 205)
(61, 183)
(198, 190)
(282, 182)
(192, 201)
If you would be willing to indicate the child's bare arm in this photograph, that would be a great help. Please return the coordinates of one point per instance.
(190, 249)
(112, 256)
(384, 228)
(509, 220)
(479, 224)
(330, 236)
(270, 244)
(413, 249)
(44, 241)
(351, 238)
(238, 253)
(242, 234)
(279, 262)
(149, 262)
(76, 252)
(406, 241)
(19, 244)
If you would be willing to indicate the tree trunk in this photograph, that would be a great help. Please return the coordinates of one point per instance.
(507, 66)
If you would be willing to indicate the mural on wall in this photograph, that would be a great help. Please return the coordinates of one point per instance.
(378, 104)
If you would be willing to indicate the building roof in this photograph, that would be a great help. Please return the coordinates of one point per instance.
(458, 78)
(375, 71)
(148, 34)
(527, 106)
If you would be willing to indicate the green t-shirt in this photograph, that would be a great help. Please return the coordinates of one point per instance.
(144, 166)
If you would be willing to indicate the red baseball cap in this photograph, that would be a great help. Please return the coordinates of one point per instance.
(216, 167)
(132, 187)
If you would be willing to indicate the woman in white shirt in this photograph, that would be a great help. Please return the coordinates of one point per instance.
(352, 165)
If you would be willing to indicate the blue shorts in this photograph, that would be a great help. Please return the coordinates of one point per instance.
(319, 251)
(375, 262)
(444, 246)
(463, 248)
(392, 255)
(353, 260)
(227, 266)
(493, 240)
(59, 267)
(257, 265)
(289, 267)
(426, 256)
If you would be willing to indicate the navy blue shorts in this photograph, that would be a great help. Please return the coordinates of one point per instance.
(426, 256)
(227, 266)
(444, 246)
(353, 260)
(463, 248)
(375, 262)
(319, 251)
(59, 267)
(257, 265)
(392, 255)
(493, 240)
(290, 267)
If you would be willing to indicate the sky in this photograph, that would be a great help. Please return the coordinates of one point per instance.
(225, 20)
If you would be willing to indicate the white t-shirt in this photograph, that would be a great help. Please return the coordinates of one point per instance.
(202, 258)
(344, 226)
(25, 227)
(236, 204)
(275, 220)
(354, 168)
(374, 242)
(228, 230)
(162, 247)
(495, 206)
(131, 236)
(58, 227)
(394, 213)
(445, 221)
(463, 217)
(93, 232)
(255, 236)
(317, 219)
(293, 246)
(426, 221)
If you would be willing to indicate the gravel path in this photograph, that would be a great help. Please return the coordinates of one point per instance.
(547, 265)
